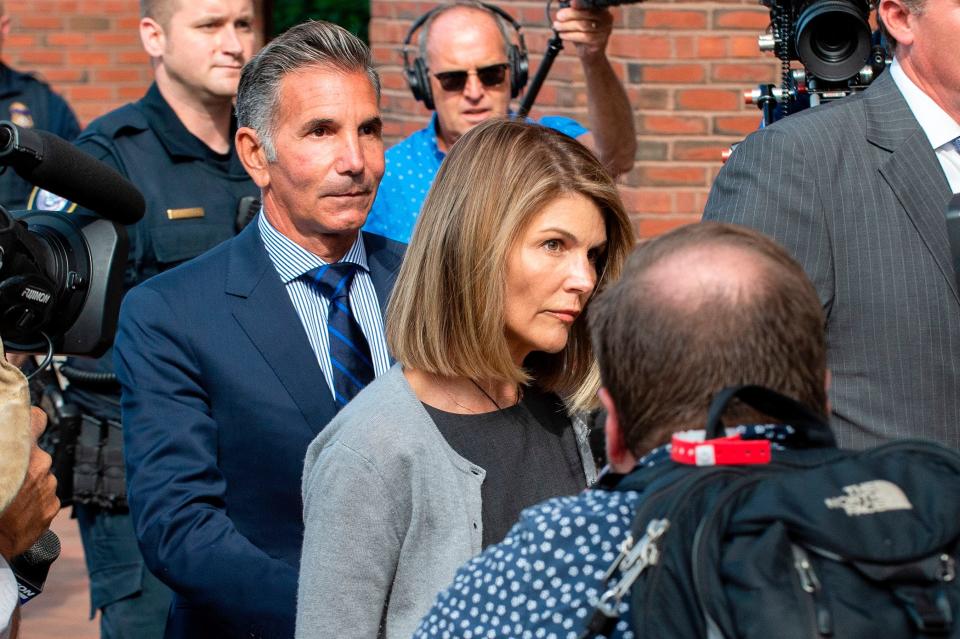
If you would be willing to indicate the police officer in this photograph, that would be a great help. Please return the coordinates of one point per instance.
(29, 103)
(176, 145)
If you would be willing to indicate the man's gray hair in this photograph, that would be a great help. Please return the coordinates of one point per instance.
(314, 43)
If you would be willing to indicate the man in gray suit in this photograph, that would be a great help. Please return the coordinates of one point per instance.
(857, 190)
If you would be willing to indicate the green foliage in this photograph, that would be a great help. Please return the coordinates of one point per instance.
(353, 15)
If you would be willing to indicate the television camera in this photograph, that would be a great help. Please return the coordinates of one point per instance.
(833, 42)
(61, 275)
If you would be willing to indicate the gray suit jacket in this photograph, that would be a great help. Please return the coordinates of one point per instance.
(854, 190)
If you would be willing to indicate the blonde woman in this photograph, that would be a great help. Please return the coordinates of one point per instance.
(435, 460)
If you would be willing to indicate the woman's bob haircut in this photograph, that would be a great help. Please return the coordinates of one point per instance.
(445, 315)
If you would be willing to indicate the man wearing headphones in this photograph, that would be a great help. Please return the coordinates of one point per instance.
(467, 69)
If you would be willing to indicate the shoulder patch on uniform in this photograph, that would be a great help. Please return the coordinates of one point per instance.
(20, 115)
(41, 200)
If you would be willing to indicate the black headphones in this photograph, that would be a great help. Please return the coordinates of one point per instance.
(418, 75)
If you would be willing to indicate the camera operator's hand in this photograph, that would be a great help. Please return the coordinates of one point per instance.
(588, 29)
(35, 506)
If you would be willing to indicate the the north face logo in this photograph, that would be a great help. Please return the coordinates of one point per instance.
(870, 497)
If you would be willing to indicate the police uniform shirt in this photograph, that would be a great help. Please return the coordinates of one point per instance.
(191, 192)
(31, 104)
(179, 142)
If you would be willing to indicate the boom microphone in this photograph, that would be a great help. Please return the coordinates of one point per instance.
(555, 46)
(54, 164)
(31, 567)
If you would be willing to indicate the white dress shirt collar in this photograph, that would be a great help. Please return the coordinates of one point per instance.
(292, 260)
(938, 126)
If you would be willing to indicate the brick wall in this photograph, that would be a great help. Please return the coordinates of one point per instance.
(684, 65)
(89, 50)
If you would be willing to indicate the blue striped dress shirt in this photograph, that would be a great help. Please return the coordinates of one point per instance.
(292, 261)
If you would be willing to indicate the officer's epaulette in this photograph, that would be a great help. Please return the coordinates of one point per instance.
(110, 125)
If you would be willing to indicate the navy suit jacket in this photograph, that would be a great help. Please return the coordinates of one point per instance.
(221, 396)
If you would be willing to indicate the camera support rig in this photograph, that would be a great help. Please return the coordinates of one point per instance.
(831, 39)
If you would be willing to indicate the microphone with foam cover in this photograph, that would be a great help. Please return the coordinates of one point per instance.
(53, 164)
(31, 567)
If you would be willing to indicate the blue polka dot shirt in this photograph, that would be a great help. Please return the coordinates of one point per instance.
(411, 166)
(544, 579)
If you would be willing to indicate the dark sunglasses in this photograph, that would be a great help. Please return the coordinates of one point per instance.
(490, 76)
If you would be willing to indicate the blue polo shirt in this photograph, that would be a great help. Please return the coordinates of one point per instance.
(411, 166)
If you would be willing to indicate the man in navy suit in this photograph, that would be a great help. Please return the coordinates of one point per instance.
(230, 364)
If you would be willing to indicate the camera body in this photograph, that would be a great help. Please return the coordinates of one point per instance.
(61, 280)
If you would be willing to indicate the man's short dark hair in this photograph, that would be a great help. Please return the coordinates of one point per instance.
(667, 338)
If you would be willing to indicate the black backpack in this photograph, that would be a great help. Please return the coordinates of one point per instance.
(820, 542)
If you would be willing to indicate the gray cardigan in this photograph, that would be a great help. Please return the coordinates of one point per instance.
(391, 511)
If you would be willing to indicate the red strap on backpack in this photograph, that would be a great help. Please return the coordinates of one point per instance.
(723, 451)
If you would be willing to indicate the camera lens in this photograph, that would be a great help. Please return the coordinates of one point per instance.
(833, 39)
(831, 42)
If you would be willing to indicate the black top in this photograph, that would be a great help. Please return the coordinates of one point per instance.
(529, 452)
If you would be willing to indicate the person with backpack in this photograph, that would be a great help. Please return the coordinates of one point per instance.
(757, 525)
(696, 310)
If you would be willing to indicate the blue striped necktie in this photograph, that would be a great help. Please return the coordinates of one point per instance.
(349, 351)
(956, 144)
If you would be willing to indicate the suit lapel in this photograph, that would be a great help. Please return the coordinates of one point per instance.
(263, 309)
(912, 170)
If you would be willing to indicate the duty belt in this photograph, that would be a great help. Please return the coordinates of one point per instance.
(98, 473)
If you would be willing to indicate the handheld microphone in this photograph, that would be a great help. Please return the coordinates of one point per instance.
(31, 567)
(54, 164)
